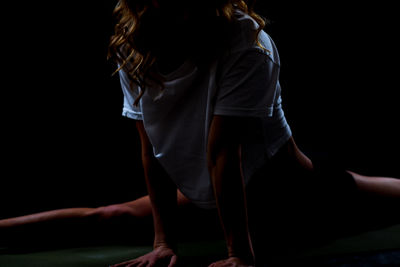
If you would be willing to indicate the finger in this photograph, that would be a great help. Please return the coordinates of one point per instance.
(216, 264)
(130, 263)
(119, 264)
(151, 263)
(125, 263)
(133, 264)
(141, 264)
(173, 261)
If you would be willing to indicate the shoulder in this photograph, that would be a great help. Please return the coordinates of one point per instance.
(244, 39)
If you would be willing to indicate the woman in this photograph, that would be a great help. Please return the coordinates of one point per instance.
(201, 78)
(201, 81)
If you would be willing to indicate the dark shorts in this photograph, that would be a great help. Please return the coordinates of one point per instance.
(287, 202)
(285, 183)
(292, 200)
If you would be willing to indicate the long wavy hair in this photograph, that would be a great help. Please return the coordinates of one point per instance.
(128, 50)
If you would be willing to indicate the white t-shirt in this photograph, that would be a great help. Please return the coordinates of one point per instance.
(177, 119)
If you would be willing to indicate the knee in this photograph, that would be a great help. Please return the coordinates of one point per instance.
(112, 211)
(362, 181)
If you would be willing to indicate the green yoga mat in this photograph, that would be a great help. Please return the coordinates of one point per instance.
(191, 254)
(379, 245)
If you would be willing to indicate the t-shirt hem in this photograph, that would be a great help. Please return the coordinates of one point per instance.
(132, 115)
(271, 151)
(244, 112)
(205, 204)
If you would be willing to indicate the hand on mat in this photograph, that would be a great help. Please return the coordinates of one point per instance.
(231, 262)
(160, 255)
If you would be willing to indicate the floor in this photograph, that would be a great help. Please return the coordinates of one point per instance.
(373, 248)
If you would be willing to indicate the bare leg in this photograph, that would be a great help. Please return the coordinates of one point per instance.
(64, 225)
(45, 216)
(138, 208)
(378, 186)
(77, 220)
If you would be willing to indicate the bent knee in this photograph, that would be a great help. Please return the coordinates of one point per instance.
(358, 178)
(363, 183)
(382, 186)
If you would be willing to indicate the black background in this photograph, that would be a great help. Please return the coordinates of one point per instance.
(64, 142)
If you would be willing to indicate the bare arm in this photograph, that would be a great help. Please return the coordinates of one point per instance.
(163, 197)
(162, 192)
(223, 155)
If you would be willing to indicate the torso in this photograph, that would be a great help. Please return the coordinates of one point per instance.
(176, 117)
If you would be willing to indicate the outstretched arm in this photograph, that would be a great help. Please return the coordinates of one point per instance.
(224, 159)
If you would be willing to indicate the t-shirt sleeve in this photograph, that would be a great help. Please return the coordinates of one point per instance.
(248, 85)
(130, 91)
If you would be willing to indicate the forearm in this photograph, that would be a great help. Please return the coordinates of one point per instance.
(163, 197)
(162, 193)
(224, 163)
(231, 202)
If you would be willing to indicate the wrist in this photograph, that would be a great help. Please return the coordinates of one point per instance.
(243, 260)
(242, 250)
(164, 244)
(246, 257)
